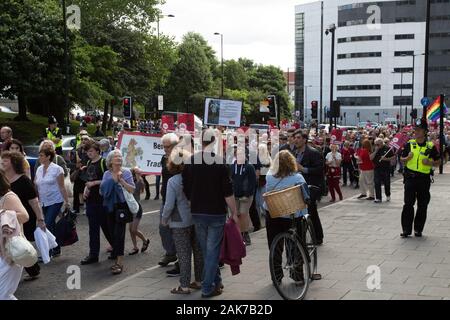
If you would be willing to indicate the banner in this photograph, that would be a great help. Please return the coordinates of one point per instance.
(141, 150)
(336, 136)
(167, 122)
(223, 112)
(186, 122)
(264, 106)
(399, 140)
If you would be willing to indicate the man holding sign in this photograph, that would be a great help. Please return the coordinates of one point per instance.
(419, 156)
(381, 158)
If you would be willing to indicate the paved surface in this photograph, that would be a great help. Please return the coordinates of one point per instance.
(358, 234)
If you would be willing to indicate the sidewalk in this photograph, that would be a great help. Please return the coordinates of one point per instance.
(358, 234)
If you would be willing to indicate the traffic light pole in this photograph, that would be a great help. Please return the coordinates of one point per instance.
(441, 135)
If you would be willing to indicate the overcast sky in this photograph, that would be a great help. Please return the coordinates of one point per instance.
(261, 30)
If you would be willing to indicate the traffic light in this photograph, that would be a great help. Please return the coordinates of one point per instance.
(127, 107)
(314, 109)
(272, 106)
(414, 114)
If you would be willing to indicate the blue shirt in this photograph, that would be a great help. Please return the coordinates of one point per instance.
(274, 184)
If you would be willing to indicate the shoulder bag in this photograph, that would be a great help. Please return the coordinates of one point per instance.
(131, 201)
(17, 248)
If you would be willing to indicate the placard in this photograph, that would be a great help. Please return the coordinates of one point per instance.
(223, 112)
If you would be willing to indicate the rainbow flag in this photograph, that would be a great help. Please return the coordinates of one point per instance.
(433, 112)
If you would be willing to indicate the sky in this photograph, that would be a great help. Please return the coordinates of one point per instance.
(260, 30)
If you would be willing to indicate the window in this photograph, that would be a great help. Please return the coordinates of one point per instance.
(356, 39)
(403, 53)
(358, 71)
(403, 101)
(359, 55)
(440, 18)
(404, 36)
(406, 3)
(439, 69)
(440, 52)
(405, 86)
(352, 23)
(359, 87)
(404, 70)
(440, 35)
(360, 101)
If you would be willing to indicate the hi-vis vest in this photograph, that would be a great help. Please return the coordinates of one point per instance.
(415, 164)
(78, 141)
(50, 136)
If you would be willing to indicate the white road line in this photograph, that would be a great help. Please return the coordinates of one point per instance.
(104, 291)
(150, 212)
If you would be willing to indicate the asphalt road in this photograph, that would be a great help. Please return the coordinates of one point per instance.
(52, 284)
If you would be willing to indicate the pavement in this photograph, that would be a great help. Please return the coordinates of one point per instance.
(360, 236)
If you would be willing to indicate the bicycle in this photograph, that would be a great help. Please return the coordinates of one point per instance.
(290, 274)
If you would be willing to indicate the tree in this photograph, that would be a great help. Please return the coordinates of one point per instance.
(32, 51)
(235, 75)
(191, 75)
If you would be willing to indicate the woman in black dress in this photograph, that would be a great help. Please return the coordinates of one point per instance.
(22, 186)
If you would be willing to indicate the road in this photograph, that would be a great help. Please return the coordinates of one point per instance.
(52, 284)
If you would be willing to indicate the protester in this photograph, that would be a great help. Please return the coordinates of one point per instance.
(310, 165)
(111, 189)
(15, 145)
(366, 168)
(58, 160)
(23, 187)
(381, 158)
(78, 175)
(333, 162)
(177, 214)
(105, 148)
(95, 211)
(284, 174)
(11, 210)
(244, 185)
(347, 163)
(169, 141)
(134, 226)
(208, 187)
(49, 181)
(6, 135)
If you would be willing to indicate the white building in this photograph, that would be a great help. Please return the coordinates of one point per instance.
(374, 48)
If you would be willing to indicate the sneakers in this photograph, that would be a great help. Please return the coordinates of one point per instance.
(175, 272)
(388, 199)
(418, 234)
(405, 234)
(377, 201)
(166, 260)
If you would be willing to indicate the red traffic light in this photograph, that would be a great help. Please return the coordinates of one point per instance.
(126, 101)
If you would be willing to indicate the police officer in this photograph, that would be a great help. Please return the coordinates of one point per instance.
(419, 156)
(52, 132)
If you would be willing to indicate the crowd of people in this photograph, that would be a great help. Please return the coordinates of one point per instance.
(197, 196)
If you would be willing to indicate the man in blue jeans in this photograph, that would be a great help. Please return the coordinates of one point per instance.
(208, 186)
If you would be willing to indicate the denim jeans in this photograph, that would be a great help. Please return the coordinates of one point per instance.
(166, 237)
(50, 214)
(209, 230)
(97, 218)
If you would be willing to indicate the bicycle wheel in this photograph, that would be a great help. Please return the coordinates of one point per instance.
(288, 267)
(310, 244)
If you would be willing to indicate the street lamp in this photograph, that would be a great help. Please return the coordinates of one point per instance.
(401, 93)
(66, 67)
(221, 54)
(413, 75)
(331, 29)
(162, 16)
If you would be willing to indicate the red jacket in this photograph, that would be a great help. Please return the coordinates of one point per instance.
(233, 247)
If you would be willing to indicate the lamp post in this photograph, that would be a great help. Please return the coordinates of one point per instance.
(221, 56)
(66, 67)
(159, 17)
(413, 76)
(401, 93)
(332, 29)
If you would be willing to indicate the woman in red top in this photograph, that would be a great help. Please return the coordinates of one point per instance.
(366, 167)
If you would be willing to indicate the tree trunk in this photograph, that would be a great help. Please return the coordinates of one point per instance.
(105, 116)
(22, 108)
(111, 115)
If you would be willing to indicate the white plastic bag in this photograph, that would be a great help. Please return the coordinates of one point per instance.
(44, 242)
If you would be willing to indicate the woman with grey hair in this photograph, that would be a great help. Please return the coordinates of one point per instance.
(114, 182)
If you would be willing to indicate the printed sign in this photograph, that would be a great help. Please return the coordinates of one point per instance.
(223, 112)
(141, 150)
(336, 136)
(399, 141)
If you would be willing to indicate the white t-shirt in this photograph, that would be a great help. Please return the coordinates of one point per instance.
(48, 187)
(329, 158)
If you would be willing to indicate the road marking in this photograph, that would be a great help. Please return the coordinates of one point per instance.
(150, 212)
(104, 291)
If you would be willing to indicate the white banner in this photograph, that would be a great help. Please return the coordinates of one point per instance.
(223, 112)
(141, 150)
